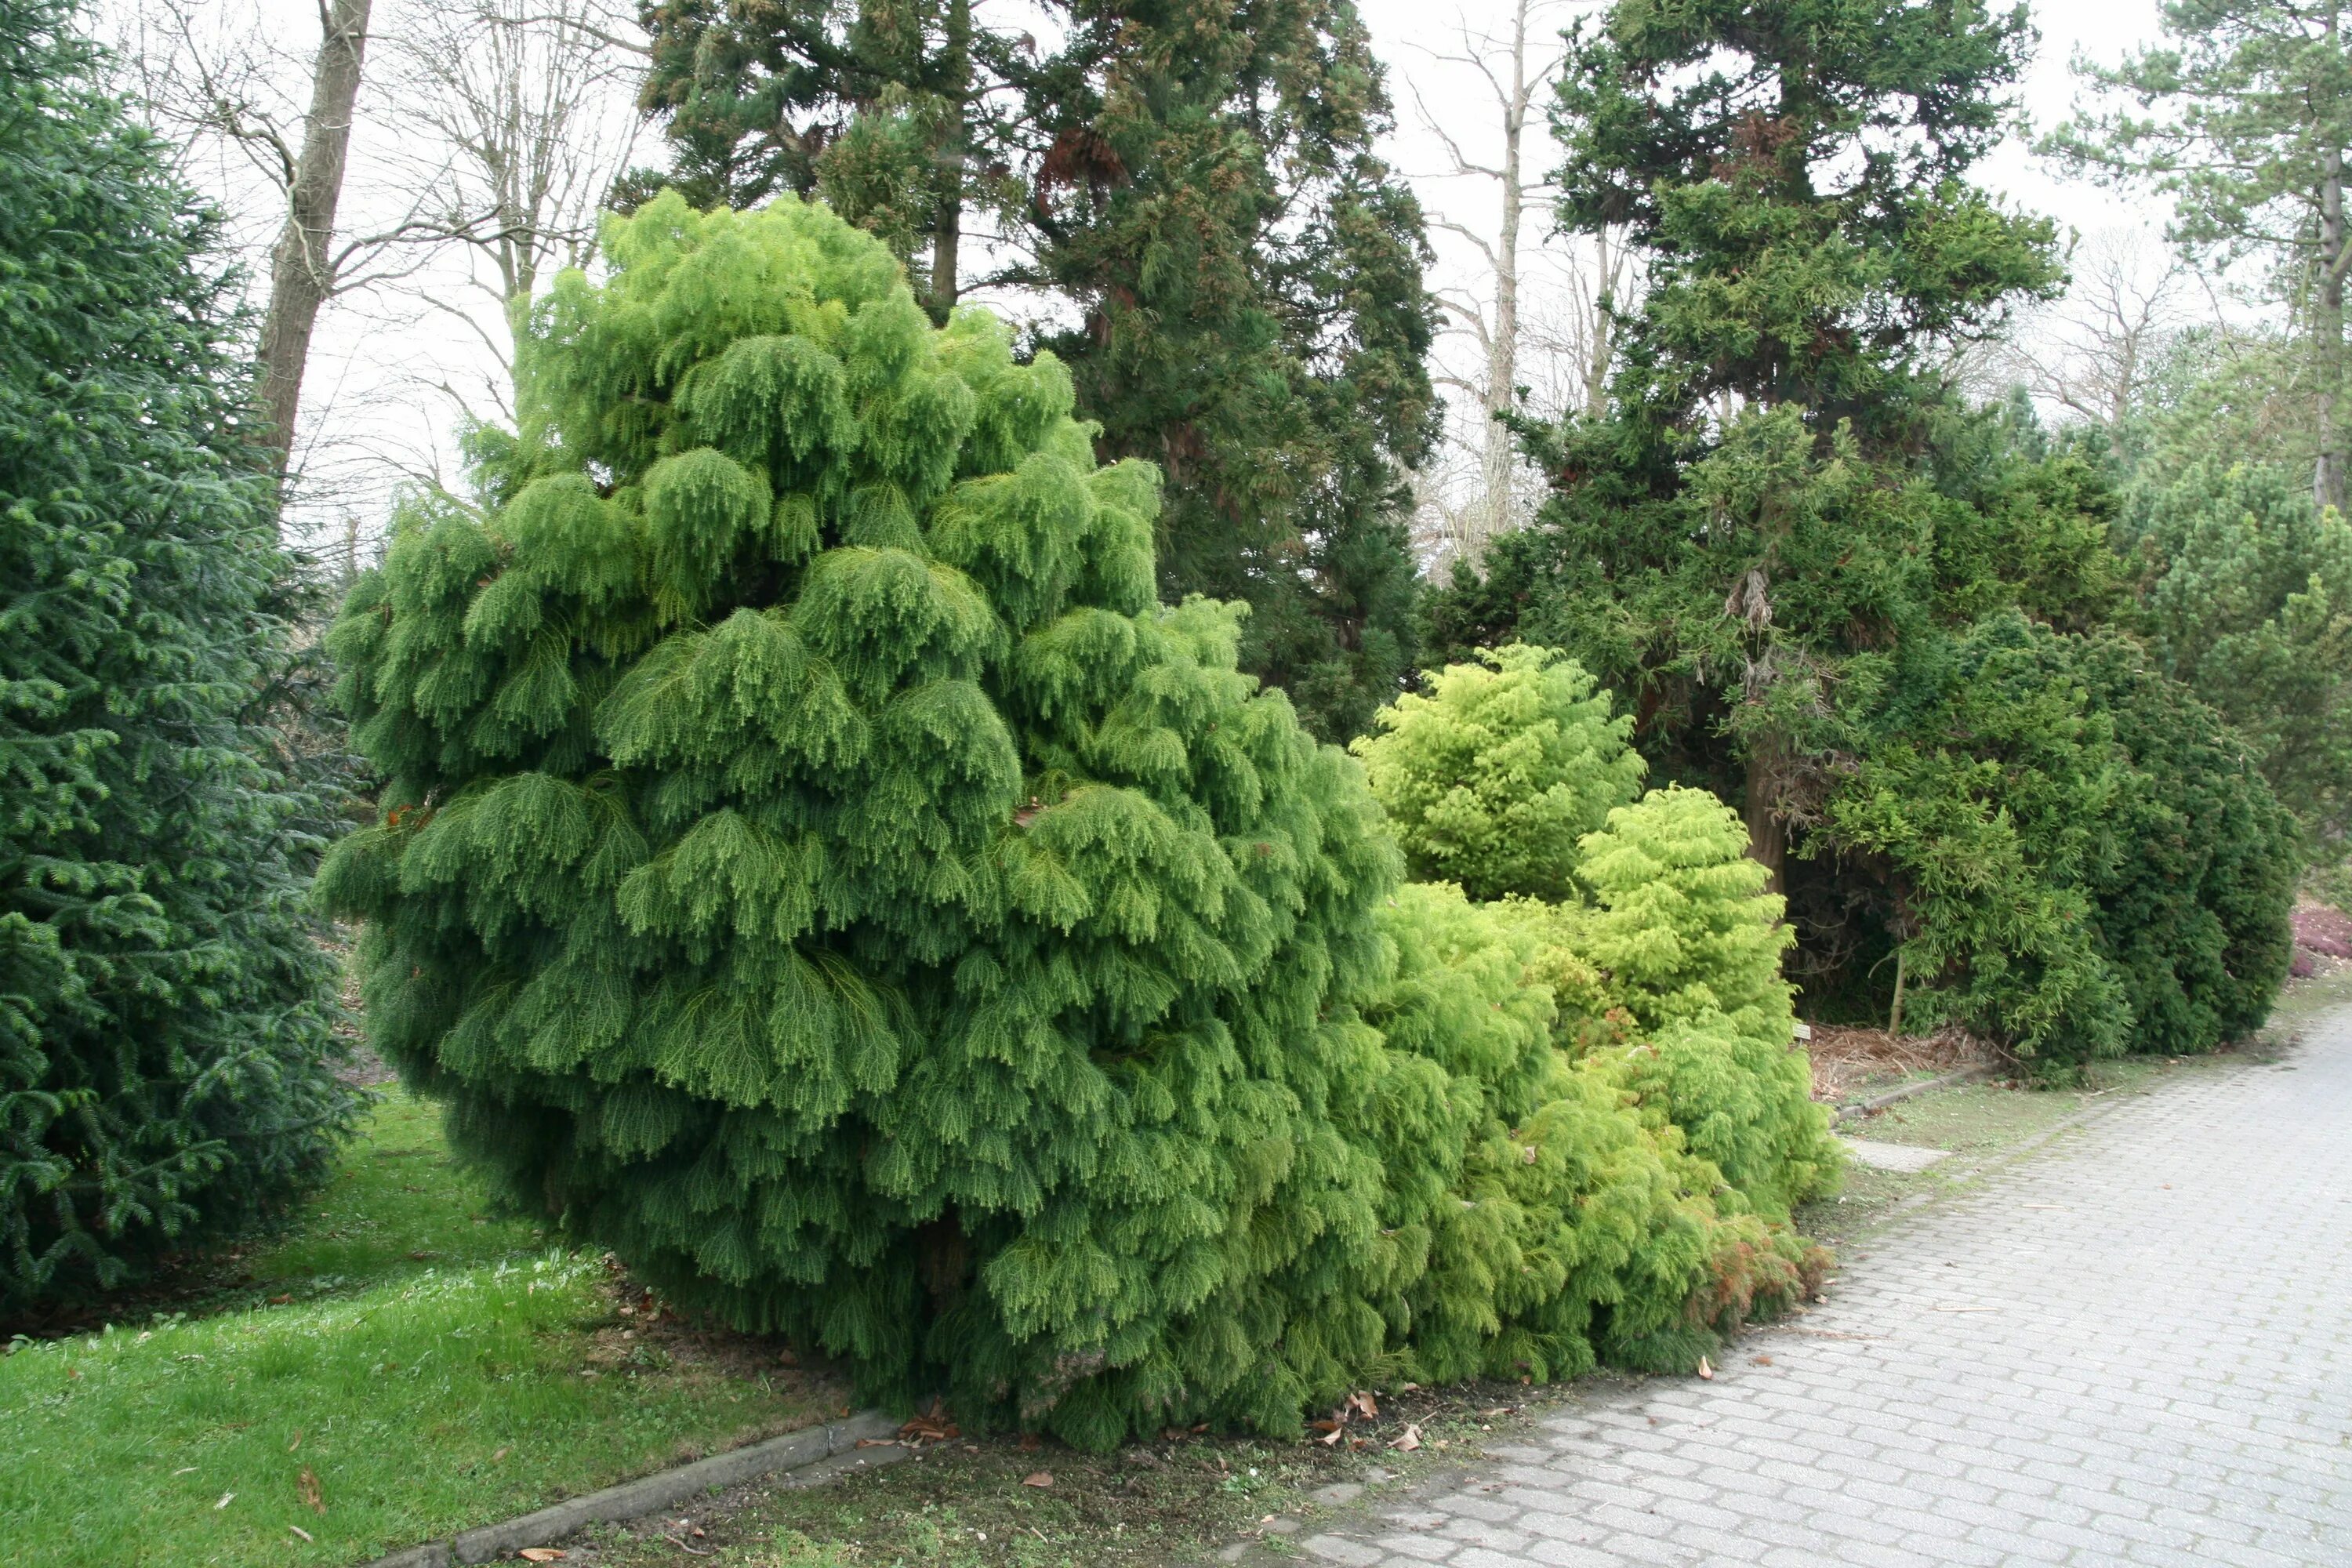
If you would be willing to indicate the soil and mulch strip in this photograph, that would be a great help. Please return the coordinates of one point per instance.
(1850, 1064)
(2321, 932)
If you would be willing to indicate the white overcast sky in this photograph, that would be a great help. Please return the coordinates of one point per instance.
(376, 360)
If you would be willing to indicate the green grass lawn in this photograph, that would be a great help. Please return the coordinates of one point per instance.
(398, 1365)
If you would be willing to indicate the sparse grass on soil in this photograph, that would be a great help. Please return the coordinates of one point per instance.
(396, 1365)
(968, 1504)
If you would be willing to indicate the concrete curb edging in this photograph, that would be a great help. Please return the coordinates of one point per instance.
(666, 1489)
(1948, 1080)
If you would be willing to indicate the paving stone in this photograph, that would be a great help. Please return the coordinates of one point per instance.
(2158, 1385)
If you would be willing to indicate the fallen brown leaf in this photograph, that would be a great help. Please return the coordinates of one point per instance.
(1706, 1369)
(1761, 1360)
(1031, 1442)
(540, 1554)
(501, 1454)
(1332, 1436)
(1038, 1478)
(300, 1532)
(296, 1441)
(1409, 1439)
(308, 1485)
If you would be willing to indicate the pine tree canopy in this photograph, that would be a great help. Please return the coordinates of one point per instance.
(814, 863)
(165, 1011)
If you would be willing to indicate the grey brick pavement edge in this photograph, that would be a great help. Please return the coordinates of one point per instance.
(2132, 1349)
(794, 1451)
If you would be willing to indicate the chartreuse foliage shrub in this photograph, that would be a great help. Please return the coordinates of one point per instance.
(1567, 1215)
(813, 865)
(1658, 944)
(1491, 779)
(165, 1016)
(1690, 945)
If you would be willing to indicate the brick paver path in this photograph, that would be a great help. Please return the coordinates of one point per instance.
(2134, 1347)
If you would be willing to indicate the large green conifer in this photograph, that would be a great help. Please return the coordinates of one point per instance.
(164, 1008)
(1199, 188)
(815, 864)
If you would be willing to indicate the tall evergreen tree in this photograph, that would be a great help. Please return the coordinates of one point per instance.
(894, 111)
(1793, 174)
(1200, 184)
(1253, 321)
(165, 1011)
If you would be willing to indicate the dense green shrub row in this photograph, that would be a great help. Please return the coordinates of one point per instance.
(814, 865)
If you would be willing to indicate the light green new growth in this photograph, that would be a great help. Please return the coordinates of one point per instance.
(1685, 926)
(1491, 779)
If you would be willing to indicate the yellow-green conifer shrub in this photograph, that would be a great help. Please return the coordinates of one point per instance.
(1563, 1228)
(1492, 778)
(1690, 945)
(814, 866)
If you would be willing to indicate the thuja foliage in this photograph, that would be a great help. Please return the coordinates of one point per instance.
(1490, 780)
(814, 865)
(165, 1012)
(1650, 923)
(1567, 1216)
(1669, 982)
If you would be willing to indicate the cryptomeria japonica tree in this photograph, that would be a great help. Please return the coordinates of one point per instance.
(814, 863)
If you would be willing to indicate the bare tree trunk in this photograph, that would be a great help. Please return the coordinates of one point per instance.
(2328, 472)
(947, 238)
(301, 264)
(1503, 341)
(1768, 836)
(1601, 343)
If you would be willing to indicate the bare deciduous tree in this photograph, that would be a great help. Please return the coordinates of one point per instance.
(2092, 352)
(1556, 335)
(517, 116)
(302, 265)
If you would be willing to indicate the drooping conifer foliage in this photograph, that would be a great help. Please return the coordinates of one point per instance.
(815, 864)
(165, 1011)
(1196, 188)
